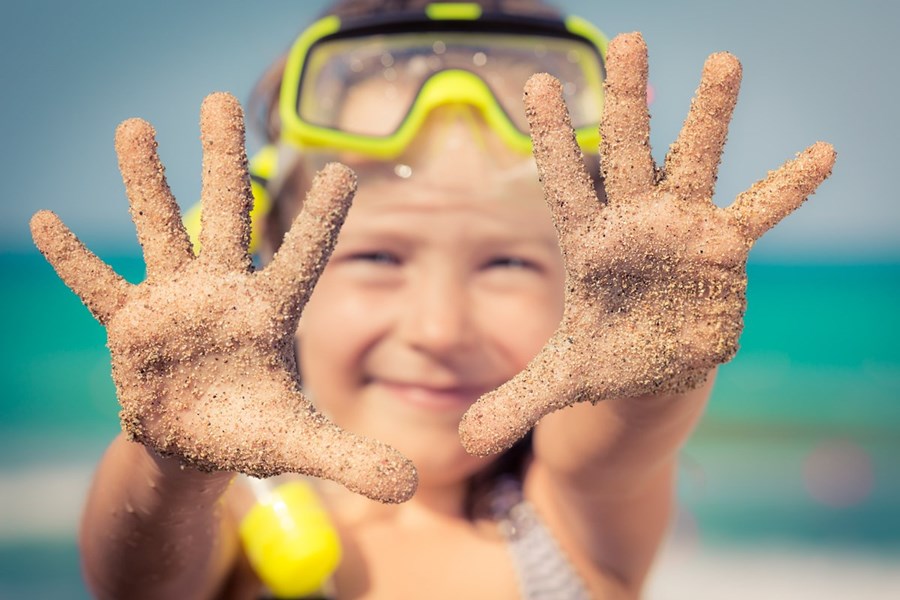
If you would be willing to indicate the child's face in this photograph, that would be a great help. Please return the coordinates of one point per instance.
(441, 287)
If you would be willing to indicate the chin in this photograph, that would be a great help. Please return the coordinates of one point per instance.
(422, 428)
(433, 448)
(445, 466)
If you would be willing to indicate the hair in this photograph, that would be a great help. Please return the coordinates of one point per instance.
(263, 110)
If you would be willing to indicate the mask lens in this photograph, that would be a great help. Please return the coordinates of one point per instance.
(368, 85)
(576, 65)
(343, 73)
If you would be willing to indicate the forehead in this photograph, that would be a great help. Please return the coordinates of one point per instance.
(432, 207)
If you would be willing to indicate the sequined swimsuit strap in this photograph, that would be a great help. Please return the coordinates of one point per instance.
(543, 570)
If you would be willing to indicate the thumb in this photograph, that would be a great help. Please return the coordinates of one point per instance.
(501, 417)
(320, 448)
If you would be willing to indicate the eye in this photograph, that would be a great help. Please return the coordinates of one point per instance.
(510, 262)
(376, 257)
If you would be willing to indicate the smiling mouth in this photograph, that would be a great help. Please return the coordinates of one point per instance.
(452, 398)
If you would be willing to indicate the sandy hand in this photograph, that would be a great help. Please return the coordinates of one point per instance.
(656, 279)
(202, 352)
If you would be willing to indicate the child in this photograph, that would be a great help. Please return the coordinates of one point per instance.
(444, 286)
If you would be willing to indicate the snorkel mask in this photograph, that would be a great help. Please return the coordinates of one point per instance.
(444, 54)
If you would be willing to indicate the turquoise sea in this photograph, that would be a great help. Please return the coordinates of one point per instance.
(800, 444)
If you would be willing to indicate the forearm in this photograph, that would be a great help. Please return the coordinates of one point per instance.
(152, 529)
(612, 539)
(604, 475)
(618, 445)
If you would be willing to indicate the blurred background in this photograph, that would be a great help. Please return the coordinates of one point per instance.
(791, 486)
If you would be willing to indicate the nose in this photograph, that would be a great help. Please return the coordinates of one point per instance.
(453, 125)
(437, 318)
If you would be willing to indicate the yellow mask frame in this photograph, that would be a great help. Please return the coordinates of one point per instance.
(445, 87)
(452, 86)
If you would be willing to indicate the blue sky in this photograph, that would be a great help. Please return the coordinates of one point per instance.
(812, 70)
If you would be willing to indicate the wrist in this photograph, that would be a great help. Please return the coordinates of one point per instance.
(168, 477)
(686, 381)
(679, 398)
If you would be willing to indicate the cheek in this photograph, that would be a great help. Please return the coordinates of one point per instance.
(522, 323)
(336, 328)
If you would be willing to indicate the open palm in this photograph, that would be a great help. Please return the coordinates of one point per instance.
(656, 280)
(202, 350)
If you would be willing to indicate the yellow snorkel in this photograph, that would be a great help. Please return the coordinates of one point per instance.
(289, 538)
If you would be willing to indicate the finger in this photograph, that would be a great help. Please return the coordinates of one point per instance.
(153, 208)
(693, 160)
(296, 267)
(625, 158)
(500, 418)
(568, 188)
(99, 287)
(225, 198)
(768, 201)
